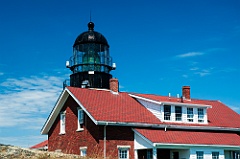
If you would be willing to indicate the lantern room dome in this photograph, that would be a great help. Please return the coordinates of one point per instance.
(91, 36)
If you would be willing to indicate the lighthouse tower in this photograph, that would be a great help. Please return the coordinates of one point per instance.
(91, 63)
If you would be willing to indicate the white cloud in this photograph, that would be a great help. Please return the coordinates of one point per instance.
(190, 54)
(194, 68)
(25, 102)
(204, 72)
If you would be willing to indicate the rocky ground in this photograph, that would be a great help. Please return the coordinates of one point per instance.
(13, 152)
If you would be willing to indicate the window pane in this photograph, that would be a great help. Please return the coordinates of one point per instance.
(178, 113)
(215, 155)
(200, 115)
(199, 154)
(167, 112)
(62, 122)
(190, 114)
(123, 154)
(149, 154)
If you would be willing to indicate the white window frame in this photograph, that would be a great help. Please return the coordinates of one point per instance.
(83, 151)
(80, 119)
(179, 113)
(215, 157)
(167, 117)
(149, 154)
(200, 116)
(62, 122)
(122, 148)
(198, 156)
(190, 117)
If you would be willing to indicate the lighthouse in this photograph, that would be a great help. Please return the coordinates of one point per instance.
(91, 62)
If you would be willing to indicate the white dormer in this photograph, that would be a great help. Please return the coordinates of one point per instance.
(176, 111)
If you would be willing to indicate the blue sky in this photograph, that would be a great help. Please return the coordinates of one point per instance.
(158, 46)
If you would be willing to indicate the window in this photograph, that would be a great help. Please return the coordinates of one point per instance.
(178, 113)
(62, 122)
(190, 114)
(149, 154)
(199, 154)
(123, 152)
(200, 115)
(215, 155)
(83, 151)
(167, 112)
(236, 155)
(80, 119)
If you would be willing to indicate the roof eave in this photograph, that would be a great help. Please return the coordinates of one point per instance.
(167, 126)
(170, 103)
(172, 145)
(54, 113)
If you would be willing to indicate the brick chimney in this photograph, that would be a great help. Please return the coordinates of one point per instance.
(186, 92)
(114, 85)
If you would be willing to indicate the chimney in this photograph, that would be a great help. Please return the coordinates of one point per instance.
(186, 92)
(113, 85)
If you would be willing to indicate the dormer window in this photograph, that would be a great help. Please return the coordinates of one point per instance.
(190, 114)
(200, 115)
(178, 113)
(167, 112)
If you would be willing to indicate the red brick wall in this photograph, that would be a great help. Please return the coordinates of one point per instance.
(92, 135)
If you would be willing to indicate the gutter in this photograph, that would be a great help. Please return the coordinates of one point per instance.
(164, 126)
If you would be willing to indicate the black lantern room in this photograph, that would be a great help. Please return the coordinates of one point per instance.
(91, 63)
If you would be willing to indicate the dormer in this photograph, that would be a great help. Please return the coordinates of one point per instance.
(177, 110)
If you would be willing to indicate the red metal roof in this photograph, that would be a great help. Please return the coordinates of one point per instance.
(190, 137)
(106, 106)
(40, 145)
(219, 115)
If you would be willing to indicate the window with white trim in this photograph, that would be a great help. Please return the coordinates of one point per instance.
(190, 114)
(83, 151)
(215, 155)
(167, 112)
(62, 122)
(199, 154)
(80, 119)
(178, 113)
(123, 152)
(149, 154)
(200, 115)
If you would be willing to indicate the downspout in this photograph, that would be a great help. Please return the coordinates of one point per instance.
(104, 139)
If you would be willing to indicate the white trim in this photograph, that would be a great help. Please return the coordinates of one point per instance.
(83, 148)
(79, 128)
(123, 146)
(57, 108)
(159, 145)
(171, 103)
(82, 107)
(62, 125)
(143, 137)
(55, 112)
